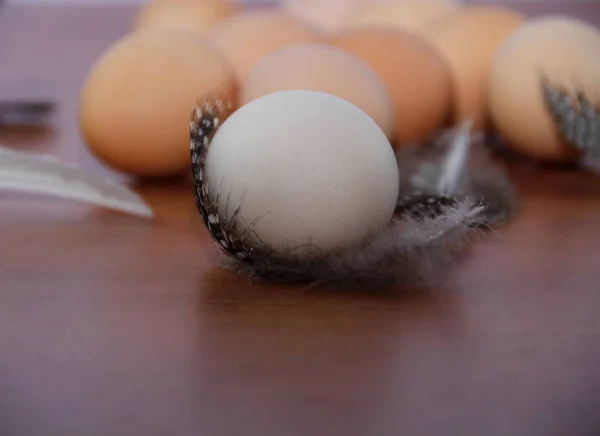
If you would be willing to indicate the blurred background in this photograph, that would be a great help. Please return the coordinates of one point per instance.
(57, 67)
(261, 1)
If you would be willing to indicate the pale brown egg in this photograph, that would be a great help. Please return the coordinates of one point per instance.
(193, 15)
(327, 14)
(417, 77)
(245, 38)
(136, 102)
(401, 14)
(319, 67)
(468, 39)
(564, 49)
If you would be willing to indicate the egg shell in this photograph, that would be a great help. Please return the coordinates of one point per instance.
(417, 78)
(409, 15)
(136, 102)
(468, 39)
(319, 67)
(193, 15)
(246, 37)
(311, 167)
(327, 15)
(567, 51)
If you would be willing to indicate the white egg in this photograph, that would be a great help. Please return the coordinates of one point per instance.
(307, 168)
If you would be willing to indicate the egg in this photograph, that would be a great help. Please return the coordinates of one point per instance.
(328, 15)
(245, 38)
(417, 78)
(193, 15)
(410, 15)
(468, 39)
(305, 167)
(566, 50)
(318, 67)
(135, 104)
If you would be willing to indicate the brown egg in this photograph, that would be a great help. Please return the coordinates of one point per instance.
(136, 102)
(567, 51)
(468, 39)
(328, 14)
(245, 38)
(319, 67)
(402, 14)
(194, 15)
(417, 77)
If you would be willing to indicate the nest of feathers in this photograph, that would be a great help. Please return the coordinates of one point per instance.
(451, 192)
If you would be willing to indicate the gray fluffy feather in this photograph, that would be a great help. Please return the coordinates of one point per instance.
(409, 251)
(482, 181)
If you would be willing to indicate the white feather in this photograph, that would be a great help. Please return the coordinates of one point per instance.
(42, 174)
(455, 165)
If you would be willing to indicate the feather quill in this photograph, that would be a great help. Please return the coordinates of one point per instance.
(455, 165)
(46, 175)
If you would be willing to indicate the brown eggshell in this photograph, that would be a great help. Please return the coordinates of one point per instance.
(567, 51)
(326, 14)
(417, 77)
(193, 15)
(407, 15)
(245, 38)
(137, 99)
(319, 67)
(468, 39)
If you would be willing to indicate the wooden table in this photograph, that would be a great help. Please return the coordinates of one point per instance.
(114, 326)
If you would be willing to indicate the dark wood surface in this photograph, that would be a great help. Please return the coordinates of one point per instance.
(115, 326)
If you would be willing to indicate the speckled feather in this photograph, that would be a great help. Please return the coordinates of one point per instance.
(419, 205)
(577, 119)
(429, 230)
(207, 116)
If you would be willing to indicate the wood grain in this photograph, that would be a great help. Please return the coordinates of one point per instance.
(114, 326)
